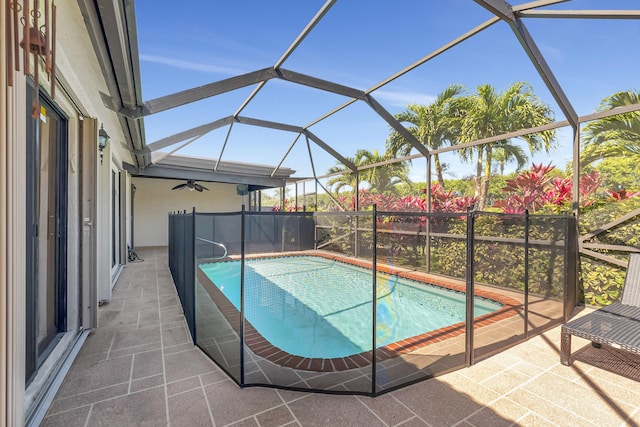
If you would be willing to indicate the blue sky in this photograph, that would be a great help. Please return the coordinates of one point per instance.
(358, 44)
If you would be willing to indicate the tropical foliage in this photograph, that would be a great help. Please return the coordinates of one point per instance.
(610, 150)
(441, 201)
(434, 125)
(603, 282)
(615, 171)
(611, 146)
(381, 179)
(449, 201)
(488, 113)
(613, 136)
(536, 190)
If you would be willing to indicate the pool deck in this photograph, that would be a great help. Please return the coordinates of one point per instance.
(139, 367)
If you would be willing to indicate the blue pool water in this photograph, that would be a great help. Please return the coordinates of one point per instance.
(316, 307)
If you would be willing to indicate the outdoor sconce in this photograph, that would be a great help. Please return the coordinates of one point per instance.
(103, 140)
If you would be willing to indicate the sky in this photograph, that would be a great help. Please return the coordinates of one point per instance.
(358, 44)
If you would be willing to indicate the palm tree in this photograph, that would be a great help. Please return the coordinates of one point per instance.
(508, 153)
(433, 125)
(345, 179)
(381, 179)
(614, 136)
(488, 113)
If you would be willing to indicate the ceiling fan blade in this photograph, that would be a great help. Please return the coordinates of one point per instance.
(199, 187)
(192, 185)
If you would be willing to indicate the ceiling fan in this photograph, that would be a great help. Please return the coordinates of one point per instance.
(191, 185)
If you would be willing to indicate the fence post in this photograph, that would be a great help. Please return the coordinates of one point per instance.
(299, 232)
(526, 274)
(356, 236)
(170, 242)
(192, 278)
(469, 323)
(282, 231)
(181, 239)
(427, 228)
(427, 241)
(571, 266)
(315, 231)
(374, 265)
(242, 231)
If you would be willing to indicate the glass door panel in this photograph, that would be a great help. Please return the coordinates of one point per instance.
(47, 230)
(115, 220)
(46, 194)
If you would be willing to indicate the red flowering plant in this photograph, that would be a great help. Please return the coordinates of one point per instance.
(403, 204)
(443, 201)
(346, 203)
(527, 191)
(449, 201)
(621, 194)
(409, 204)
(534, 190)
(289, 206)
(590, 183)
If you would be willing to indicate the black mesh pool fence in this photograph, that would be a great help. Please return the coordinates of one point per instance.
(366, 302)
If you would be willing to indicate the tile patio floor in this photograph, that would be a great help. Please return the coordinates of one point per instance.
(140, 368)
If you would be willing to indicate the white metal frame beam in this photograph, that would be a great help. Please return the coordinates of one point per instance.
(581, 14)
(536, 57)
(500, 8)
(535, 4)
(201, 92)
(504, 11)
(190, 133)
(320, 143)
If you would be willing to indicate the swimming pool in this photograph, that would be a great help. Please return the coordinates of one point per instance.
(315, 307)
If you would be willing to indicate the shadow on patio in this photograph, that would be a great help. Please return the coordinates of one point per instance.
(140, 367)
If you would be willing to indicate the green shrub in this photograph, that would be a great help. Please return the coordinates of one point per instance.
(602, 282)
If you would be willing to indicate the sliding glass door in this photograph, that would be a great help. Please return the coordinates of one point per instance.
(116, 260)
(46, 187)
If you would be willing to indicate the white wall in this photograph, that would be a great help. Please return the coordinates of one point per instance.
(77, 95)
(78, 64)
(154, 199)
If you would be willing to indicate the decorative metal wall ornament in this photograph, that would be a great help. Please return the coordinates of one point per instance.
(38, 38)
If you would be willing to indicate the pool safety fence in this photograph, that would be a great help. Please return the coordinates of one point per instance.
(367, 302)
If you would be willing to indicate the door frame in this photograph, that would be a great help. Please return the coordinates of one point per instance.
(89, 208)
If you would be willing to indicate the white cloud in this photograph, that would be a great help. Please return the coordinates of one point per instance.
(190, 65)
(402, 99)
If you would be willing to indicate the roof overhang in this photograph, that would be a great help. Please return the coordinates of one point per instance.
(112, 29)
(257, 177)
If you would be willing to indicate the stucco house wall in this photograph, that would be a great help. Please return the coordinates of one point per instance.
(154, 199)
(78, 99)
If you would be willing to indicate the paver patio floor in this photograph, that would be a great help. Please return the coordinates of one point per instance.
(140, 367)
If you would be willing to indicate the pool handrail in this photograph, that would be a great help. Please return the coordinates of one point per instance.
(217, 244)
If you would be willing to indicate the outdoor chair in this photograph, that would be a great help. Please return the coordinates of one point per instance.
(617, 325)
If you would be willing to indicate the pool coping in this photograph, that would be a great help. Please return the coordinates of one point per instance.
(263, 348)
